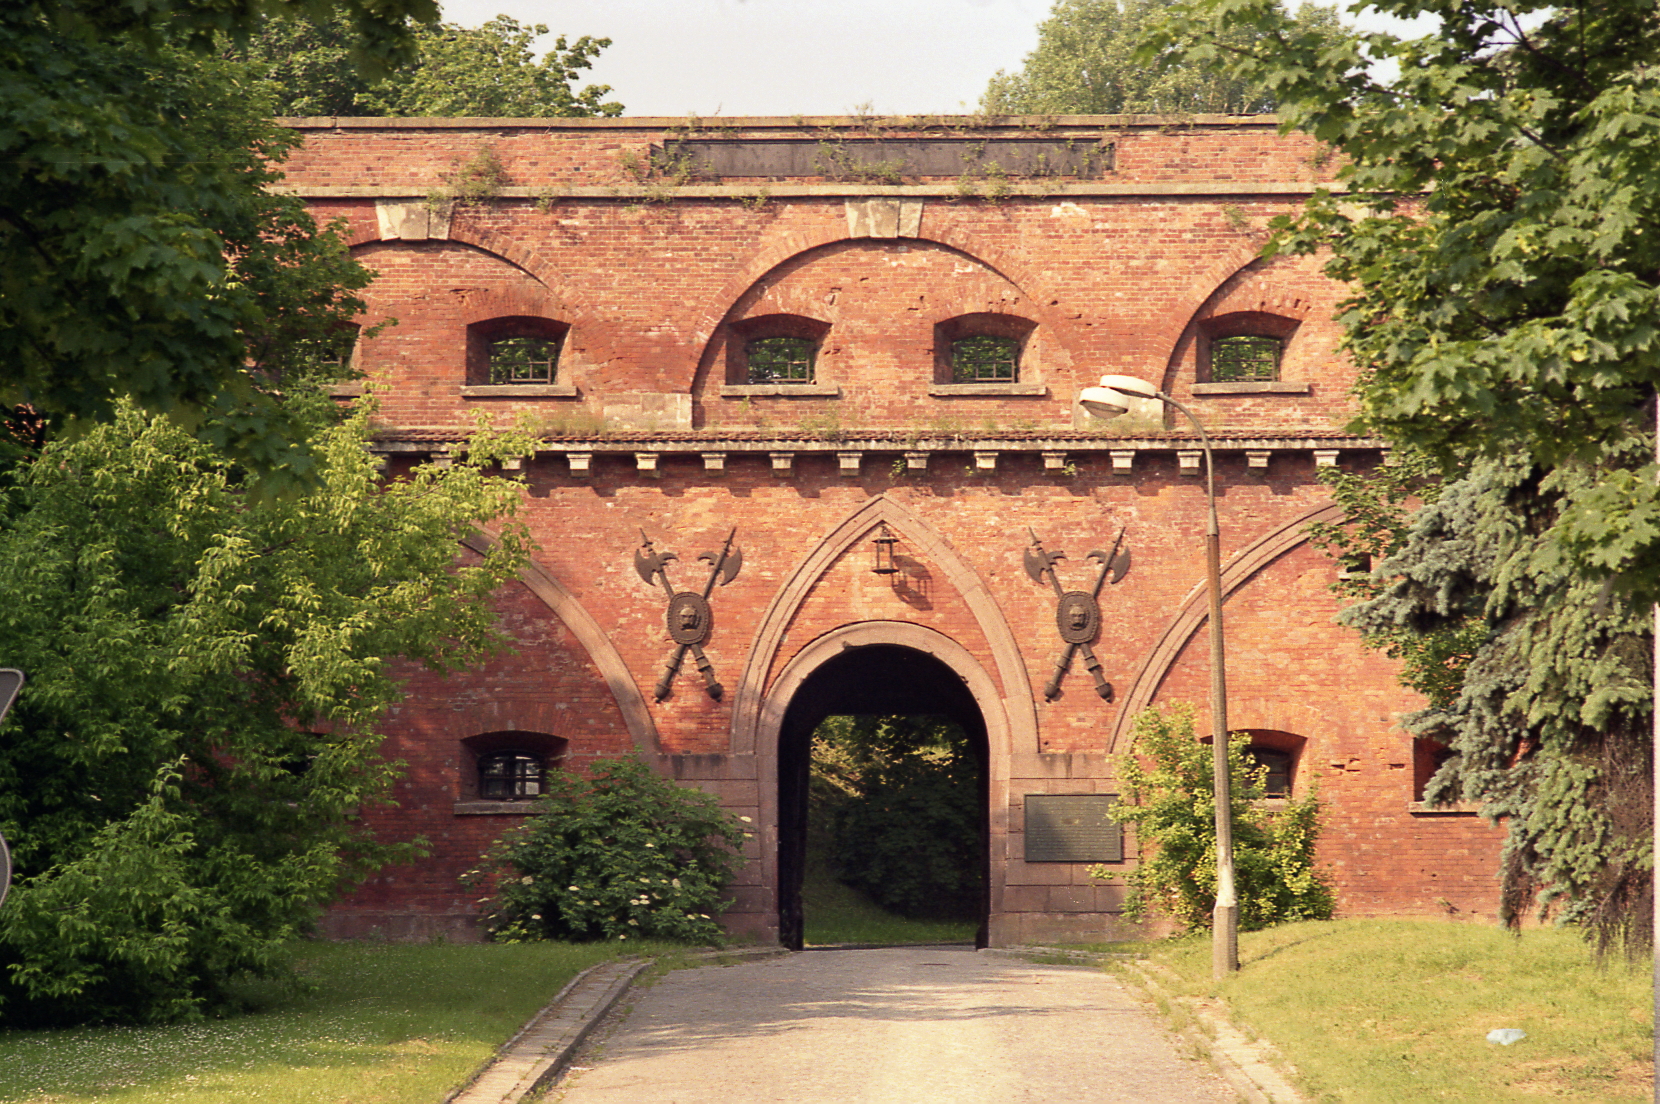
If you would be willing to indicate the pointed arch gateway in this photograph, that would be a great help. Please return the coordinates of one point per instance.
(994, 701)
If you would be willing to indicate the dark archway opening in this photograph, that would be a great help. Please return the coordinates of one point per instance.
(878, 680)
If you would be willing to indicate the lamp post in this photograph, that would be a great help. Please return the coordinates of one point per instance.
(1109, 400)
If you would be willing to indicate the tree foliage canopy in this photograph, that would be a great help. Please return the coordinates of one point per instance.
(180, 779)
(902, 798)
(1087, 63)
(1498, 232)
(489, 71)
(144, 256)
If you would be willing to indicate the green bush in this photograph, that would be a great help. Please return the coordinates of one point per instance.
(621, 854)
(1172, 806)
(904, 808)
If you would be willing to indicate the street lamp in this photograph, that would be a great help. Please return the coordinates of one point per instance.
(1109, 400)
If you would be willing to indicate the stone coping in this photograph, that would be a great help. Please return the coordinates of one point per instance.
(415, 193)
(422, 442)
(719, 125)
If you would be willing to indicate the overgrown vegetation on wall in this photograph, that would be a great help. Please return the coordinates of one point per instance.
(1172, 806)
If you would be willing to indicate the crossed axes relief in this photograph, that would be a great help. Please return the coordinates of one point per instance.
(688, 615)
(1078, 612)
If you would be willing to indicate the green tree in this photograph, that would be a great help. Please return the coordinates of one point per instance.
(1087, 63)
(1173, 808)
(488, 71)
(902, 796)
(144, 255)
(1498, 231)
(181, 778)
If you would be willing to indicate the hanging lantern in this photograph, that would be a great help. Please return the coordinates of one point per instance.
(884, 542)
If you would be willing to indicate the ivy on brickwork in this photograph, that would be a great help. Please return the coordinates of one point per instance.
(1500, 231)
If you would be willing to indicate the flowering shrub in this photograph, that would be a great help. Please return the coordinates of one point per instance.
(621, 854)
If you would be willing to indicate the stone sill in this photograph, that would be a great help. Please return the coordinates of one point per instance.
(1256, 387)
(346, 391)
(494, 808)
(780, 391)
(989, 390)
(1456, 808)
(519, 391)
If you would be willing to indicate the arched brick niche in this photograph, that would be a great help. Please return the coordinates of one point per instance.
(880, 309)
(1195, 611)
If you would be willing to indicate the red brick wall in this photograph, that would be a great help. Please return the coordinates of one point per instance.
(1116, 275)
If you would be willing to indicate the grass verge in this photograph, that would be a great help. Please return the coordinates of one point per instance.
(376, 1024)
(835, 913)
(1394, 1010)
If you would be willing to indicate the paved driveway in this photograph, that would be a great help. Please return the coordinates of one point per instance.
(929, 1024)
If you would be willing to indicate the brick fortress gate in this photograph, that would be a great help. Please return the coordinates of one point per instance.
(827, 334)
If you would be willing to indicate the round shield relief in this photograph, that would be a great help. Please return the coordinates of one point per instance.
(1077, 616)
(688, 618)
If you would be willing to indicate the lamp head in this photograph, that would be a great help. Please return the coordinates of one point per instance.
(1111, 397)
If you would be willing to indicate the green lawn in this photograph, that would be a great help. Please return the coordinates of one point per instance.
(1388, 1011)
(380, 1024)
(834, 913)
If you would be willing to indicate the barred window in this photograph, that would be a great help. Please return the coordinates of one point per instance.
(1277, 764)
(524, 360)
(1245, 359)
(780, 359)
(985, 359)
(510, 776)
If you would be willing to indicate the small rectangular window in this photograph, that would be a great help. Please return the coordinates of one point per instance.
(1245, 359)
(523, 360)
(780, 360)
(985, 359)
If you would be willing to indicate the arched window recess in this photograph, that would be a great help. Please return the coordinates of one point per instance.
(985, 354)
(516, 357)
(1245, 352)
(777, 355)
(504, 772)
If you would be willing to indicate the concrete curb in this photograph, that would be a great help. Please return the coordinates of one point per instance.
(531, 1059)
(1250, 1066)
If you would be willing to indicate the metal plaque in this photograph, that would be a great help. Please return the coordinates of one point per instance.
(1072, 828)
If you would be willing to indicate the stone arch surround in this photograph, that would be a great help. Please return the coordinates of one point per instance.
(752, 693)
(529, 261)
(984, 689)
(1195, 611)
(1299, 306)
(798, 245)
(642, 730)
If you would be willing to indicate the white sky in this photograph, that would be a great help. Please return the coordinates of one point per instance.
(787, 57)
